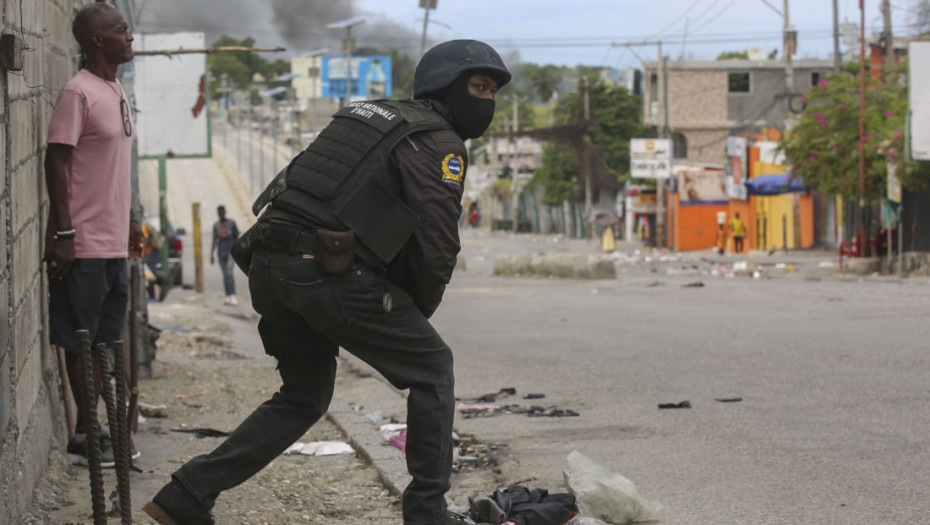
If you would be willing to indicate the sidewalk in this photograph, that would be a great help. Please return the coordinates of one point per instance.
(210, 373)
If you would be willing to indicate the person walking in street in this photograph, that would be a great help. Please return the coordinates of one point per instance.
(721, 241)
(87, 171)
(357, 242)
(738, 229)
(225, 234)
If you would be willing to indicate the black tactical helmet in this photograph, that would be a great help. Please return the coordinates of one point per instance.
(445, 62)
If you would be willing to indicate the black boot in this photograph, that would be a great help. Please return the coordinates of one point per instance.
(174, 505)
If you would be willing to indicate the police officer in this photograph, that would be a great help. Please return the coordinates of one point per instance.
(357, 241)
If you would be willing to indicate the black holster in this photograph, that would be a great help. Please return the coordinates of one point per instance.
(242, 249)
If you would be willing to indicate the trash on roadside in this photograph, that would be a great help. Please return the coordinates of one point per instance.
(188, 396)
(534, 396)
(469, 454)
(399, 441)
(493, 396)
(605, 495)
(697, 284)
(683, 404)
(519, 504)
(320, 448)
(476, 409)
(148, 410)
(728, 399)
(389, 430)
(202, 432)
(374, 418)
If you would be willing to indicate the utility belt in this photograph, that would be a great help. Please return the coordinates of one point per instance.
(333, 252)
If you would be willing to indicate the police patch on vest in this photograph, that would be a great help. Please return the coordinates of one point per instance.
(453, 169)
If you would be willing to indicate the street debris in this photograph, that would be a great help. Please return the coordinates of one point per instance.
(697, 284)
(728, 399)
(468, 454)
(534, 396)
(188, 396)
(399, 441)
(683, 404)
(202, 432)
(494, 396)
(148, 410)
(605, 495)
(472, 411)
(320, 448)
(518, 504)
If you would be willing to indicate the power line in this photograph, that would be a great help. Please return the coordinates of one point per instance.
(674, 22)
(716, 16)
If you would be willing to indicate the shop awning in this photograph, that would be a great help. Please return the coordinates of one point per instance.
(774, 184)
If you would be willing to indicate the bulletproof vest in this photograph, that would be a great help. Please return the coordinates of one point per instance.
(342, 180)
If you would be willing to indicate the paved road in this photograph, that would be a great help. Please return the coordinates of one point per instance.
(833, 375)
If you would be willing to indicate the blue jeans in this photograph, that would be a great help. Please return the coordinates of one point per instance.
(306, 316)
(228, 266)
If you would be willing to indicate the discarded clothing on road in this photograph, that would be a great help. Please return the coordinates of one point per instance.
(518, 504)
(202, 432)
(493, 396)
(471, 411)
(683, 404)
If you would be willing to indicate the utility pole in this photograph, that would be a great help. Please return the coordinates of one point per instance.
(889, 38)
(515, 184)
(585, 158)
(789, 46)
(426, 5)
(863, 242)
(664, 132)
(837, 57)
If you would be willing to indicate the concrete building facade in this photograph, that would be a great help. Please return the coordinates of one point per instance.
(32, 421)
(710, 100)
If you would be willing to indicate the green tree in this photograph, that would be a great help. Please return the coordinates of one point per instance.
(241, 66)
(733, 55)
(824, 147)
(544, 80)
(618, 118)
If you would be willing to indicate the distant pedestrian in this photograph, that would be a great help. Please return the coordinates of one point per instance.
(721, 241)
(738, 229)
(225, 234)
(90, 232)
(474, 215)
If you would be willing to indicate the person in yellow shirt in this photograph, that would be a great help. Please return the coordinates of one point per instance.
(738, 229)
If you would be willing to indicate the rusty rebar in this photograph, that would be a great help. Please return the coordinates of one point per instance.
(124, 451)
(92, 443)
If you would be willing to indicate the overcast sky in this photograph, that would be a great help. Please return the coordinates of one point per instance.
(564, 32)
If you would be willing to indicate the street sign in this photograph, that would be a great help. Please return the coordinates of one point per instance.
(651, 158)
(919, 95)
(894, 184)
(371, 77)
(169, 94)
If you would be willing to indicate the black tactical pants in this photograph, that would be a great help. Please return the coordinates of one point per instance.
(304, 316)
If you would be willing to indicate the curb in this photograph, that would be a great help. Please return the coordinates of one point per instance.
(388, 461)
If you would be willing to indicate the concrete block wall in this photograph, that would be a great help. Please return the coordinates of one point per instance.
(32, 422)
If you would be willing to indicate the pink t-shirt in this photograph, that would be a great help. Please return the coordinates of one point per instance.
(87, 116)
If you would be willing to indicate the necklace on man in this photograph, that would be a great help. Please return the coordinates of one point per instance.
(123, 106)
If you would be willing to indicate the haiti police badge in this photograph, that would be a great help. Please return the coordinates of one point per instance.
(453, 169)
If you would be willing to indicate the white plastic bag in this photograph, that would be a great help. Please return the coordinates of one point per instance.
(603, 494)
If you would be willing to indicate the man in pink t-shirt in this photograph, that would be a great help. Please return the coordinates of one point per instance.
(87, 171)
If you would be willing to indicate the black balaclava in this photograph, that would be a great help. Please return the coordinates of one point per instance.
(470, 115)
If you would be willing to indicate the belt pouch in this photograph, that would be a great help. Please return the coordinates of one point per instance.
(335, 253)
(241, 250)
